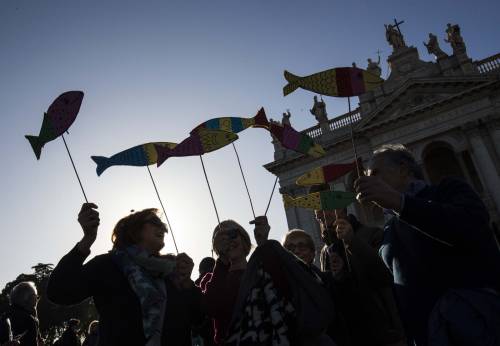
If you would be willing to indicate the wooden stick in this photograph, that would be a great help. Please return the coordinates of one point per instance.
(164, 212)
(210, 190)
(271, 197)
(244, 180)
(76, 172)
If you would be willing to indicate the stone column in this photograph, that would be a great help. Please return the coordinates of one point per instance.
(485, 164)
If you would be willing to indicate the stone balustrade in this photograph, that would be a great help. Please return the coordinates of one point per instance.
(335, 123)
(489, 65)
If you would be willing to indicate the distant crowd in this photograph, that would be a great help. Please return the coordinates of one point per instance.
(430, 277)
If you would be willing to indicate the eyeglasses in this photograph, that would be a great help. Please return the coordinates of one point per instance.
(299, 246)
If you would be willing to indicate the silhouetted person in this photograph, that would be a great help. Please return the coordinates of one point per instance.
(133, 288)
(440, 249)
(21, 316)
(70, 335)
(361, 282)
(207, 265)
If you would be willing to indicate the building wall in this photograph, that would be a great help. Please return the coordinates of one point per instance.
(468, 125)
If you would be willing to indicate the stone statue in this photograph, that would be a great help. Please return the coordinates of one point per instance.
(433, 47)
(286, 118)
(455, 39)
(319, 110)
(394, 37)
(374, 67)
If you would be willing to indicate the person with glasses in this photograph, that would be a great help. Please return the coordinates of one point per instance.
(301, 245)
(440, 249)
(232, 245)
(135, 290)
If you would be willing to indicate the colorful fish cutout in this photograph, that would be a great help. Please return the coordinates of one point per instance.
(325, 174)
(296, 141)
(57, 120)
(233, 124)
(140, 155)
(323, 200)
(199, 143)
(340, 81)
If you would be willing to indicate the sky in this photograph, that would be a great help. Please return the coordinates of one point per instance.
(152, 71)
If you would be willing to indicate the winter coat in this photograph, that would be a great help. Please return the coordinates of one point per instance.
(364, 296)
(21, 322)
(69, 338)
(120, 316)
(441, 241)
(280, 298)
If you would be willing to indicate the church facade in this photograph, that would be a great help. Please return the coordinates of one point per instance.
(447, 112)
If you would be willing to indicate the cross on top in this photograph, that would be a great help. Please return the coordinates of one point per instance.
(396, 24)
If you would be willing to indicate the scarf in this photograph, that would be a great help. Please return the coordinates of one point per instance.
(146, 275)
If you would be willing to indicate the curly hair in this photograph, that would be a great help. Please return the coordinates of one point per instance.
(128, 230)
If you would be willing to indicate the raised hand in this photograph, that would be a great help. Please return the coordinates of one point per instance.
(261, 230)
(374, 189)
(88, 217)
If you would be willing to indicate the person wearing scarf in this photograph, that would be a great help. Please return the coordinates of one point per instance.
(130, 285)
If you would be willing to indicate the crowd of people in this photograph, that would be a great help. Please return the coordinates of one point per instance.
(430, 277)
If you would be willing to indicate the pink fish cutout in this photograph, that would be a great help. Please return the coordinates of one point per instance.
(59, 117)
(296, 141)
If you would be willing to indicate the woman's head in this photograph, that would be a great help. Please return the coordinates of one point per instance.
(300, 244)
(231, 239)
(143, 228)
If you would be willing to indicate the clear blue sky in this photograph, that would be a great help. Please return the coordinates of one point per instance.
(152, 70)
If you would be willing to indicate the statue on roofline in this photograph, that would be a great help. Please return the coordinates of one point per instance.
(286, 118)
(394, 37)
(319, 110)
(433, 47)
(454, 38)
(374, 67)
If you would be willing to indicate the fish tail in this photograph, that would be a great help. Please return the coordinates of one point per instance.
(36, 144)
(102, 162)
(261, 119)
(163, 154)
(293, 83)
(288, 201)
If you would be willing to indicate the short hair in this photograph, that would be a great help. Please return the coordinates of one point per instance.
(295, 233)
(231, 224)
(398, 154)
(206, 264)
(20, 293)
(128, 230)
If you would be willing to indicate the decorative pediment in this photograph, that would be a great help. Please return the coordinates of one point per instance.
(418, 94)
